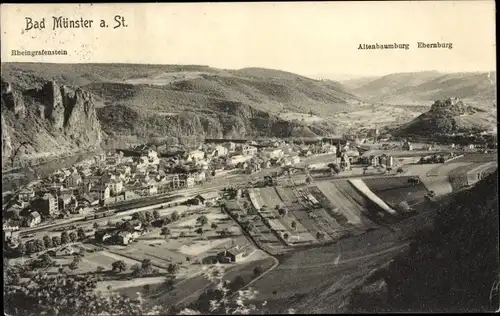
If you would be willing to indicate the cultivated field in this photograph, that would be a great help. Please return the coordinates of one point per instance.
(477, 157)
(337, 266)
(377, 116)
(191, 247)
(91, 260)
(261, 233)
(446, 169)
(347, 205)
(315, 220)
(299, 234)
(394, 190)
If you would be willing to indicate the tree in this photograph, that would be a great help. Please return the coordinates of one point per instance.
(146, 288)
(202, 220)
(119, 265)
(47, 241)
(100, 269)
(73, 265)
(169, 283)
(39, 246)
(139, 216)
(214, 226)
(136, 269)
(285, 236)
(56, 241)
(182, 234)
(282, 212)
(309, 179)
(148, 217)
(81, 233)
(257, 271)
(172, 269)
(64, 237)
(21, 248)
(72, 236)
(156, 214)
(96, 226)
(294, 225)
(165, 231)
(45, 261)
(30, 247)
(400, 170)
(62, 294)
(320, 236)
(146, 265)
(246, 205)
(334, 168)
(175, 216)
(199, 231)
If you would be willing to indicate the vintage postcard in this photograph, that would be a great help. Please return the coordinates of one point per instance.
(249, 158)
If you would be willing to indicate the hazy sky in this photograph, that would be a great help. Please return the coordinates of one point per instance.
(307, 38)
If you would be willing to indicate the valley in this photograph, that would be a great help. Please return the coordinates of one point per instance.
(196, 184)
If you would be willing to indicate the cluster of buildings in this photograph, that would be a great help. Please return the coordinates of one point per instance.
(109, 178)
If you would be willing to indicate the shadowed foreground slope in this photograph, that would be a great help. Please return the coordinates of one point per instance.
(449, 268)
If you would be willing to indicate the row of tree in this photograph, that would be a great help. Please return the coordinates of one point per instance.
(38, 245)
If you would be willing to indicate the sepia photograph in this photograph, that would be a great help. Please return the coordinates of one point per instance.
(249, 158)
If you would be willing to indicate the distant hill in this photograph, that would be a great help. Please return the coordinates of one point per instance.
(447, 117)
(424, 87)
(186, 102)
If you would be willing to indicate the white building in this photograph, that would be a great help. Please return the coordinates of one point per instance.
(271, 153)
(247, 150)
(195, 155)
(220, 151)
(239, 158)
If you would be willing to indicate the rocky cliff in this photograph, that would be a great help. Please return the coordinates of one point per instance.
(448, 116)
(46, 121)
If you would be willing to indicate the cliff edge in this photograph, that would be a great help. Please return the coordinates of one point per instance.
(46, 122)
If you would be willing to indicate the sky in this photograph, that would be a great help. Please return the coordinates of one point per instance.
(313, 39)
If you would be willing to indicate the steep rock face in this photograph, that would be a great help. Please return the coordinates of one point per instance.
(6, 143)
(47, 122)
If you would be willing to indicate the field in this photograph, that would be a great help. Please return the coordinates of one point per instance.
(90, 261)
(317, 220)
(477, 157)
(347, 205)
(447, 168)
(281, 224)
(192, 247)
(299, 234)
(187, 290)
(314, 272)
(261, 233)
(376, 116)
(394, 190)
